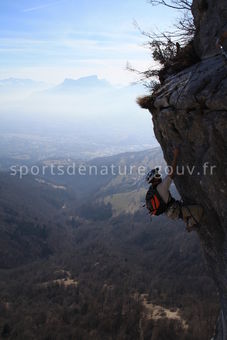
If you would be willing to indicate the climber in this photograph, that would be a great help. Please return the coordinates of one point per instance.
(159, 199)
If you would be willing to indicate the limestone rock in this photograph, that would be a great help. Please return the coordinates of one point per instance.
(210, 18)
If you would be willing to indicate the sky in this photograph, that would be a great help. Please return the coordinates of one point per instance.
(50, 40)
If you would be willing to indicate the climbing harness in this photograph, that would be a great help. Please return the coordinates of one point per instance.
(154, 202)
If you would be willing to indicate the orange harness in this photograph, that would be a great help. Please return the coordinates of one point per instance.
(155, 204)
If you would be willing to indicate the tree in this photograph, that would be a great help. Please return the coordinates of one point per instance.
(185, 26)
(173, 50)
(176, 4)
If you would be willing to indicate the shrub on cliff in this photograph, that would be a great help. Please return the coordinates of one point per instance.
(174, 51)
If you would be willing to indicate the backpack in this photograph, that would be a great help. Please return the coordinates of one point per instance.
(155, 203)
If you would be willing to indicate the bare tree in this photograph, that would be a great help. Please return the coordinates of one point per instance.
(185, 28)
(176, 4)
(173, 50)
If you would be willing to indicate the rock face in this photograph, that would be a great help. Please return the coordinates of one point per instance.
(210, 18)
(190, 109)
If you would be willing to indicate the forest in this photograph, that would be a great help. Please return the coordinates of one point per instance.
(80, 269)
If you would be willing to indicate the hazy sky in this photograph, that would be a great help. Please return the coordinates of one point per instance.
(51, 40)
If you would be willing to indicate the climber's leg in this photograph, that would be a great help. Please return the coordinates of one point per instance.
(174, 210)
(192, 215)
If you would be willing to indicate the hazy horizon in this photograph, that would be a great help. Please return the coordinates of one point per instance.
(88, 115)
(64, 85)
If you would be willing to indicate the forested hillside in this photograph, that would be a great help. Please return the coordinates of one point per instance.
(76, 267)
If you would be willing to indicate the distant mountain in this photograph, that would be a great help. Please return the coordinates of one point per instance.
(20, 84)
(83, 118)
(85, 83)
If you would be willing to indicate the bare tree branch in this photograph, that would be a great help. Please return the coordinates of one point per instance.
(175, 4)
(172, 50)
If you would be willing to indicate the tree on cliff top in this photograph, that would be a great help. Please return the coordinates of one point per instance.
(173, 50)
(184, 26)
(176, 4)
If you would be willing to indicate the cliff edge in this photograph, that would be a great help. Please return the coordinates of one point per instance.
(190, 110)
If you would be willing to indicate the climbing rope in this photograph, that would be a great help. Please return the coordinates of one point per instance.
(219, 43)
(224, 53)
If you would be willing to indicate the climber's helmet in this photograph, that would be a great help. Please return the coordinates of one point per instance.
(153, 176)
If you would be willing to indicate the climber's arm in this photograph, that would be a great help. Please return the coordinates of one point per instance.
(174, 163)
